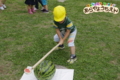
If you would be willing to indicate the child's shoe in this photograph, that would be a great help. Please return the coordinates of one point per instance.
(32, 9)
(4, 6)
(45, 11)
(60, 47)
(29, 11)
(72, 60)
(35, 9)
(1, 8)
(42, 10)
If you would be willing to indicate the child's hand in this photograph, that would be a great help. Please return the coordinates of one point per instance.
(61, 41)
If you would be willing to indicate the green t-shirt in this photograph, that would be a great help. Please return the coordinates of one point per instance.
(67, 24)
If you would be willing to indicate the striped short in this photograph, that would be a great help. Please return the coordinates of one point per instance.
(71, 38)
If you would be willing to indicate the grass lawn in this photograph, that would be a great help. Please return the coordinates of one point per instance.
(25, 38)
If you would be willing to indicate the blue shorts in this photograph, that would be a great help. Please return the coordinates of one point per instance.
(44, 2)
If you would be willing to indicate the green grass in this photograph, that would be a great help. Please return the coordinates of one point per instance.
(25, 38)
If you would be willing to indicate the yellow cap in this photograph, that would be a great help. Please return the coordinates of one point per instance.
(59, 13)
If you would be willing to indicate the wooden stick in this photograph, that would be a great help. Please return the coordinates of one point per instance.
(44, 56)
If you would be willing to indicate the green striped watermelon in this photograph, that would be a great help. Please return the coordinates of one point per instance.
(45, 70)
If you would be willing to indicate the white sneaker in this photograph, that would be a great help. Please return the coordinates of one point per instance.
(72, 60)
(4, 6)
(35, 9)
(1, 8)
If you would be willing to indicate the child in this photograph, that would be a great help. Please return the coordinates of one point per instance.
(64, 29)
(2, 4)
(30, 4)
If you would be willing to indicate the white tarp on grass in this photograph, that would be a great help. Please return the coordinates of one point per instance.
(63, 74)
(60, 74)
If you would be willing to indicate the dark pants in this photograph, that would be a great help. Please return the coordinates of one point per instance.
(36, 3)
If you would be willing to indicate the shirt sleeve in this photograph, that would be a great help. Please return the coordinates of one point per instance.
(70, 25)
(54, 25)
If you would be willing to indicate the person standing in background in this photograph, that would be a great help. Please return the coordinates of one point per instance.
(30, 4)
(2, 4)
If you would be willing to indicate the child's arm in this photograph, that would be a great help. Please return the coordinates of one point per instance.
(58, 33)
(65, 37)
(66, 34)
(60, 37)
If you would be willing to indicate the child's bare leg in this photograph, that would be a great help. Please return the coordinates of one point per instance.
(32, 8)
(73, 56)
(0, 3)
(72, 50)
(29, 9)
(45, 7)
(3, 1)
(72, 47)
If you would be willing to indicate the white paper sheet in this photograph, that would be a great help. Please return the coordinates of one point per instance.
(63, 74)
(60, 74)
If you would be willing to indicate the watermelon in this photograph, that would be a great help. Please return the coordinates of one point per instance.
(45, 70)
(27, 70)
